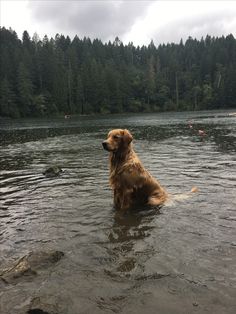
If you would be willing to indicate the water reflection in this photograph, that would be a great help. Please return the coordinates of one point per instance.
(127, 233)
(132, 225)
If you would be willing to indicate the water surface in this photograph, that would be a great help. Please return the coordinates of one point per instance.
(181, 259)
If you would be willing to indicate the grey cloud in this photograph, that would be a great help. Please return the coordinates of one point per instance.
(96, 19)
(215, 24)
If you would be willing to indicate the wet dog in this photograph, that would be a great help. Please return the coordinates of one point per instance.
(131, 183)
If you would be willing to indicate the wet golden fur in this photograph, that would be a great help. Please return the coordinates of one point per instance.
(132, 184)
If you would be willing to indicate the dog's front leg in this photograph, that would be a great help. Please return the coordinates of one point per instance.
(126, 201)
(118, 199)
(121, 200)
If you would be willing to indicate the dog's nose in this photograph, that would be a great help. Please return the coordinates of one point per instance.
(104, 144)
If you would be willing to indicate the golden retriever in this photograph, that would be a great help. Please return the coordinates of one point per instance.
(132, 184)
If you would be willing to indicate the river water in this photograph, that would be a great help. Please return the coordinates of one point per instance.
(181, 259)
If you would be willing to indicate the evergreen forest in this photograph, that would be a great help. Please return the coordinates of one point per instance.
(64, 76)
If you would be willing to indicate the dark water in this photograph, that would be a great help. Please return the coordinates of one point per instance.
(179, 260)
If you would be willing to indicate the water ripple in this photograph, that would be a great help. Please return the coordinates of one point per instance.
(187, 246)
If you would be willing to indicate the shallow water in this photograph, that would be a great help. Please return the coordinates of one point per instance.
(181, 259)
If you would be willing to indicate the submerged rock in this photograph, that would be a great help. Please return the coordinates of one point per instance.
(46, 305)
(29, 264)
(52, 171)
(37, 306)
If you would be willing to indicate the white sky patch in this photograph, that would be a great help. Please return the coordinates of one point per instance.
(14, 14)
(17, 15)
(169, 21)
(162, 21)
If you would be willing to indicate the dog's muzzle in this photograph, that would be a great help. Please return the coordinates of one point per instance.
(105, 146)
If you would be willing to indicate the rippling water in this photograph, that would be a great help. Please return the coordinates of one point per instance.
(179, 260)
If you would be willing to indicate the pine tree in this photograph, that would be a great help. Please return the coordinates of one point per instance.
(8, 106)
(25, 91)
(79, 96)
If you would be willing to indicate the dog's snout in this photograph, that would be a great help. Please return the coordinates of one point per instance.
(104, 144)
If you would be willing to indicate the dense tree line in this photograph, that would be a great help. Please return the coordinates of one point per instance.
(81, 76)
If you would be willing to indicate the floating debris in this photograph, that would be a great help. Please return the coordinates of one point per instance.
(202, 133)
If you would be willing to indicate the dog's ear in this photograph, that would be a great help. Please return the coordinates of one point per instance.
(127, 137)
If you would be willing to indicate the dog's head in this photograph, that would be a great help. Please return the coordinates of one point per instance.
(117, 140)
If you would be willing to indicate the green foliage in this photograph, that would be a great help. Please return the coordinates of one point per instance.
(8, 106)
(63, 76)
(25, 91)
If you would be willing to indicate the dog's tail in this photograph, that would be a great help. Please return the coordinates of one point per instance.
(183, 196)
(194, 189)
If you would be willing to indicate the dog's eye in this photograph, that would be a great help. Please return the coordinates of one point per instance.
(116, 137)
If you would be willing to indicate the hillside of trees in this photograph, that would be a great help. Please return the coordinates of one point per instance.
(83, 76)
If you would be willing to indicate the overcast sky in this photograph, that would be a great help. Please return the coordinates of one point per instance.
(130, 20)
